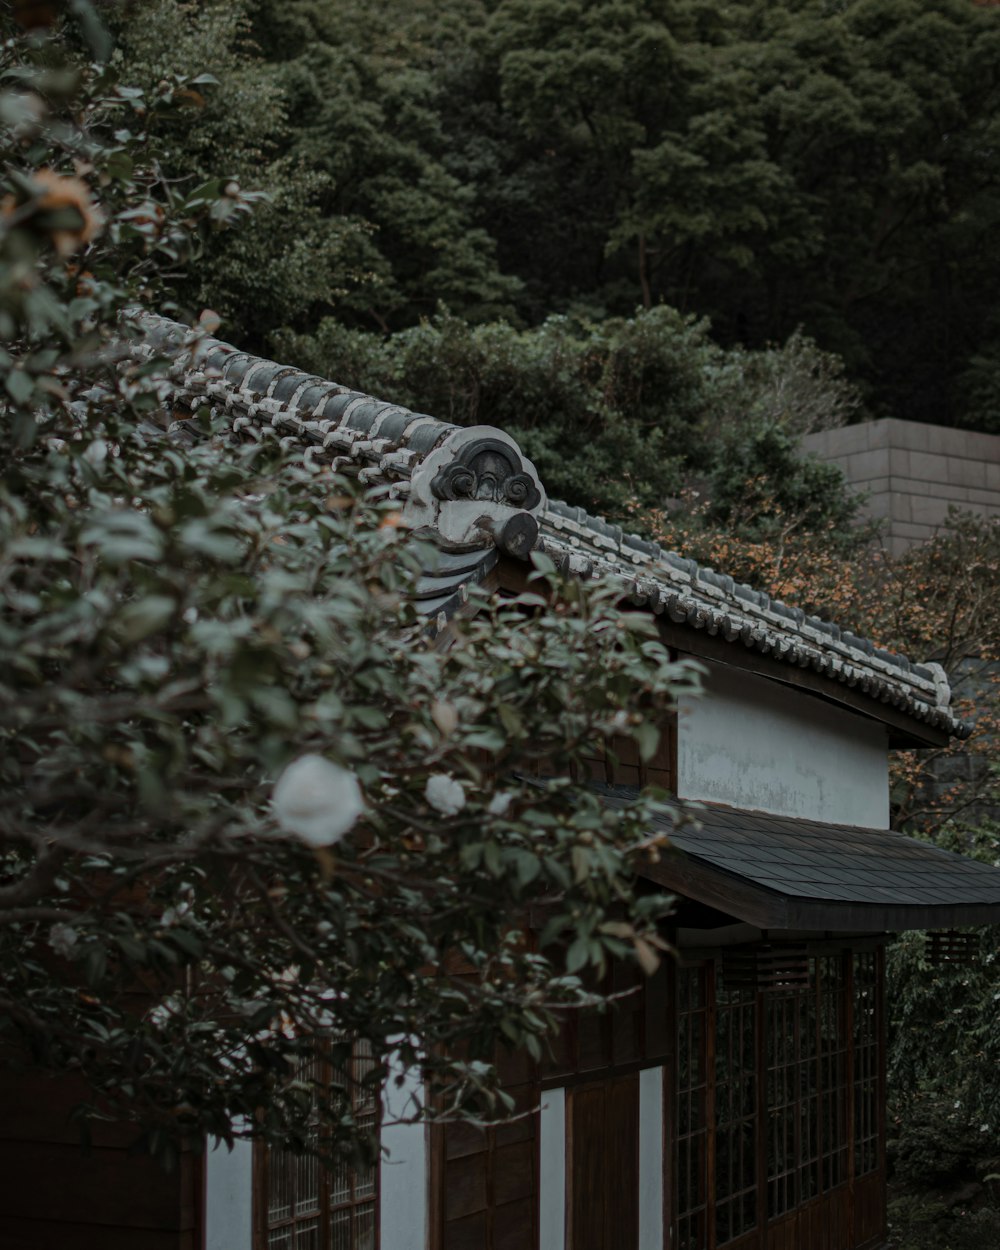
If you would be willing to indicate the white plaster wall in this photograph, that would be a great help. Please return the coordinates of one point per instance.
(403, 1180)
(751, 742)
(651, 1163)
(229, 1196)
(552, 1170)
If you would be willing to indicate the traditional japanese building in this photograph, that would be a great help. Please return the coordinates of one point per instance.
(737, 1098)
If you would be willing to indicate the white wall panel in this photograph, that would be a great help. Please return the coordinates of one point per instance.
(404, 1181)
(229, 1196)
(751, 742)
(651, 1163)
(552, 1171)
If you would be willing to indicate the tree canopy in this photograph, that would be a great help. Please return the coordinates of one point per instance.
(764, 165)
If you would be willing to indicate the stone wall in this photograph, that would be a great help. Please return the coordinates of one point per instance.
(913, 473)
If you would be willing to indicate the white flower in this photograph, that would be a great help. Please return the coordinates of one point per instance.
(444, 794)
(62, 939)
(500, 803)
(316, 800)
(173, 914)
(160, 1014)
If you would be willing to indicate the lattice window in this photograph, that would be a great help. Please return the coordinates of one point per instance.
(778, 1078)
(792, 1099)
(867, 1030)
(310, 1206)
(691, 1096)
(735, 1113)
(833, 1048)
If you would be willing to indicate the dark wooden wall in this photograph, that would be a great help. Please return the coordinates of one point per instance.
(485, 1187)
(775, 1130)
(602, 1164)
(54, 1195)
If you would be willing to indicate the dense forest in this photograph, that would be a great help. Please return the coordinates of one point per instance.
(766, 165)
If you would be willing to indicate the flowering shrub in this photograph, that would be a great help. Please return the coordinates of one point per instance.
(249, 808)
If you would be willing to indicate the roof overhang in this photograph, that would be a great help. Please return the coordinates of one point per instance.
(904, 731)
(781, 872)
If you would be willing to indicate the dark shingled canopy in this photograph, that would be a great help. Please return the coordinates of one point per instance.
(780, 872)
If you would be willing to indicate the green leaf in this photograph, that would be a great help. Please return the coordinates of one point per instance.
(511, 720)
(20, 386)
(578, 954)
(647, 737)
(492, 859)
(146, 616)
(122, 536)
(528, 866)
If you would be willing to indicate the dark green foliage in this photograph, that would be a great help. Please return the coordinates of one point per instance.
(945, 1049)
(944, 1090)
(936, 1145)
(921, 1222)
(180, 623)
(758, 477)
(321, 107)
(766, 165)
(295, 255)
(616, 414)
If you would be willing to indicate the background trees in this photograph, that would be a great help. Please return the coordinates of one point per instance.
(767, 166)
(617, 414)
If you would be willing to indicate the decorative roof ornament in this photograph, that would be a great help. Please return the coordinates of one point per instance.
(476, 490)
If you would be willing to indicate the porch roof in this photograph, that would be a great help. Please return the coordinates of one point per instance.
(781, 872)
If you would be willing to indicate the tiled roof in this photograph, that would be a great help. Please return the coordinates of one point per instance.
(453, 486)
(783, 872)
(703, 599)
(381, 442)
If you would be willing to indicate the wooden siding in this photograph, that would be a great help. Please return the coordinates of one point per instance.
(602, 1165)
(631, 1034)
(485, 1181)
(55, 1194)
(773, 1112)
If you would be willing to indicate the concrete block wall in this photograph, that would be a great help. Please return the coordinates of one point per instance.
(913, 473)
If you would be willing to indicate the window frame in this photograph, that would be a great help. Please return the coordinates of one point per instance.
(325, 1207)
